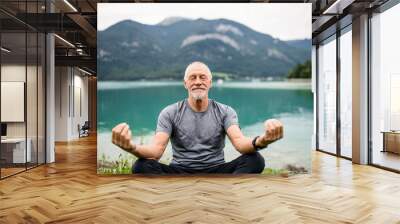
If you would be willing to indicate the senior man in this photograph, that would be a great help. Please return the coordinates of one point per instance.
(197, 127)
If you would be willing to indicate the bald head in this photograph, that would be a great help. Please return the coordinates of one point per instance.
(197, 66)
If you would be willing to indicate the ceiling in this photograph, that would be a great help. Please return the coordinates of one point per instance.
(75, 22)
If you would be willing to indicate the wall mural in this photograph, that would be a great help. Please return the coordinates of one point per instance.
(187, 88)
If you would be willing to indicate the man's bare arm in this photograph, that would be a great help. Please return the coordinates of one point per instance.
(122, 137)
(273, 132)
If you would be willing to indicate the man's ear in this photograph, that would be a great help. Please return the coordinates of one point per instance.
(184, 84)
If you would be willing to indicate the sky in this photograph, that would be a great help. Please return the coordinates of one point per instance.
(284, 21)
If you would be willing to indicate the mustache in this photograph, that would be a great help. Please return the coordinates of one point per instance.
(198, 87)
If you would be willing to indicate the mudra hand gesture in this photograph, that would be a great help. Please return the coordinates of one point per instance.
(122, 137)
(273, 132)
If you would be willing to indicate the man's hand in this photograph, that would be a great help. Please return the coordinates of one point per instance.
(273, 132)
(122, 137)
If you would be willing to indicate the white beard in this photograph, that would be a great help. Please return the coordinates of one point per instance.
(198, 96)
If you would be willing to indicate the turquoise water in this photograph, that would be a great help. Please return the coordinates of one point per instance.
(139, 103)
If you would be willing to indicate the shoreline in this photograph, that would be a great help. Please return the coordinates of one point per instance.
(288, 84)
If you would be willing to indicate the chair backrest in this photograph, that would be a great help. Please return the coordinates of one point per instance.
(86, 125)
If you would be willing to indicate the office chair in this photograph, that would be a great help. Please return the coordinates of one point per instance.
(84, 130)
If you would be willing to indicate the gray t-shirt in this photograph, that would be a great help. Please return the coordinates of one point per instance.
(198, 138)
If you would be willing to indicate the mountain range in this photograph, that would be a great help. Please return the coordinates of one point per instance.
(129, 50)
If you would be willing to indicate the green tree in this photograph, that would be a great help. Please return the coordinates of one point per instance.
(301, 71)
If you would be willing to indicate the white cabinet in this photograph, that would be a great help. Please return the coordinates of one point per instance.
(18, 149)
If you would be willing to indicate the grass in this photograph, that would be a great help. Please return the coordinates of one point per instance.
(123, 165)
(276, 172)
(289, 170)
(112, 171)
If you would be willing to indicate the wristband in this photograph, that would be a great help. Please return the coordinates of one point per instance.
(254, 144)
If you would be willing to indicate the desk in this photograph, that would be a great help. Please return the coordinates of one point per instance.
(16, 147)
(391, 141)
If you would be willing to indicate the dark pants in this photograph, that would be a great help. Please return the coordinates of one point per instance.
(246, 163)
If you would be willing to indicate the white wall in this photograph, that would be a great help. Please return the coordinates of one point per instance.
(71, 87)
(62, 81)
(81, 81)
(12, 73)
(33, 126)
(12, 100)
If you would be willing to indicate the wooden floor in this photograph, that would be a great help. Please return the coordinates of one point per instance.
(70, 191)
(10, 171)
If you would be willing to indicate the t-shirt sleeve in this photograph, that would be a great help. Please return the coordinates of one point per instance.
(164, 122)
(231, 118)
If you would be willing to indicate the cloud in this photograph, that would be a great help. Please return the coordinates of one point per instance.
(285, 21)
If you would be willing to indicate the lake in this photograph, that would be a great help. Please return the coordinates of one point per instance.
(139, 103)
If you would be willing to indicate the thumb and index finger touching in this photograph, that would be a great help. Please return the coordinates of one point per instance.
(274, 128)
(118, 130)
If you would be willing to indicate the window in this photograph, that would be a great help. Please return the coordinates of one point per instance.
(346, 92)
(385, 88)
(22, 68)
(327, 95)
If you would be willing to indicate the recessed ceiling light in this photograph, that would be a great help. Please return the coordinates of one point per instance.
(338, 6)
(5, 50)
(70, 5)
(64, 40)
(86, 72)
